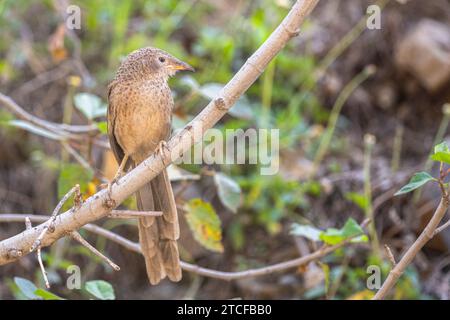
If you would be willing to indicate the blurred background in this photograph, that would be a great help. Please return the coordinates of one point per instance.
(358, 112)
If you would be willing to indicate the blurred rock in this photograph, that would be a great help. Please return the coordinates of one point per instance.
(425, 53)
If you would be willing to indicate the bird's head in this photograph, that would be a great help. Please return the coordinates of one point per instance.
(151, 63)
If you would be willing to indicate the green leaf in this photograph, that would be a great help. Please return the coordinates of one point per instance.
(90, 105)
(100, 289)
(26, 287)
(441, 157)
(351, 229)
(359, 199)
(441, 153)
(418, 180)
(332, 236)
(228, 190)
(204, 224)
(441, 147)
(46, 295)
(306, 231)
(360, 239)
(102, 126)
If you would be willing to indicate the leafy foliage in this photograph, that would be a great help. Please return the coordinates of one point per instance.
(204, 224)
(228, 190)
(351, 230)
(418, 180)
(30, 291)
(100, 289)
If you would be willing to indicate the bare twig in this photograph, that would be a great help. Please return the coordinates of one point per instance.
(41, 265)
(82, 161)
(27, 223)
(441, 228)
(75, 235)
(227, 276)
(44, 78)
(64, 130)
(100, 204)
(129, 214)
(407, 258)
(51, 221)
(390, 255)
(28, 226)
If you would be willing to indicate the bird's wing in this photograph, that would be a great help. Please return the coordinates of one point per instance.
(111, 115)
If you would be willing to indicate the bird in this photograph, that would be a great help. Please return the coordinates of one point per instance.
(139, 120)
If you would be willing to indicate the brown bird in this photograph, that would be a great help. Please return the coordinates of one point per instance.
(139, 119)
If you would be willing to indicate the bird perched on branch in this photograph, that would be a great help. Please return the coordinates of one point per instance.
(139, 120)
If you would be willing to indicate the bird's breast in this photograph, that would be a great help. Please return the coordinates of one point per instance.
(143, 118)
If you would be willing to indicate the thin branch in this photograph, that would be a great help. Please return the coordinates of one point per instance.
(28, 226)
(130, 214)
(216, 274)
(100, 204)
(410, 254)
(41, 265)
(441, 228)
(51, 221)
(390, 255)
(44, 78)
(75, 235)
(62, 129)
(82, 161)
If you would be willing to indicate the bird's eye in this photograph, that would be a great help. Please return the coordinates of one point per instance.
(162, 59)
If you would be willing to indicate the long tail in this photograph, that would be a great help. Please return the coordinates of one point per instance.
(158, 235)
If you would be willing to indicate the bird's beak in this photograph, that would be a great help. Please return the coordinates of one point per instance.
(178, 65)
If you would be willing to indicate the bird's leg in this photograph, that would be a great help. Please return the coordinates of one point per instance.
(160, 150)
(119, 173)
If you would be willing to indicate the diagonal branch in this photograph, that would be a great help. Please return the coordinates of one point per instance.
(216, 274)
(426, 235)
(100, 204)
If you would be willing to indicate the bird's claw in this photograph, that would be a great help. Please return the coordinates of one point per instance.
(162, 146)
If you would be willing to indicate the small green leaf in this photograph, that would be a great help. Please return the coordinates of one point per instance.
(418, 180)
(441, 147)
(351, 229)
(441, 157)
(332, 236)
(102, 126)
(100, 289)
(228, 190)
(441, 153)
(204, 224)
(359, 199)
(46, 295)
(360, 239)
(26, 287)
(90, 105)
(306, 231)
